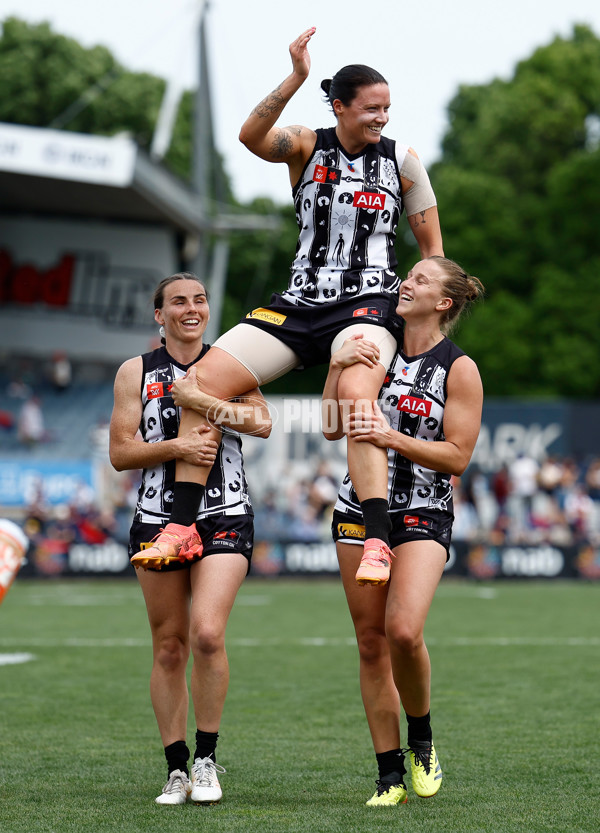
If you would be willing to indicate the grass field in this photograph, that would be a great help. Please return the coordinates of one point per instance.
(515, 713)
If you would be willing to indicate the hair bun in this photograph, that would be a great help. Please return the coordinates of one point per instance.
(326, 85)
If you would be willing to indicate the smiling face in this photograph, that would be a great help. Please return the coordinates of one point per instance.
(184, 313)
(360, 123)
(422, 291)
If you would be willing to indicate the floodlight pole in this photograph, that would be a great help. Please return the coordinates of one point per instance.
(202, 144)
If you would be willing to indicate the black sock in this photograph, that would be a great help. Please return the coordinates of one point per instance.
(419, 729)
(206, 745)
(186, 501)
(376, 518)
(177, 755)
(389, 762)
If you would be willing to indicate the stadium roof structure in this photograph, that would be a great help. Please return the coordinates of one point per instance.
(62, 173)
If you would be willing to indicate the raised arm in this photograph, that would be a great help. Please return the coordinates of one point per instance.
(291, 144)
(129, 452)
(248, 414)
(462, 421)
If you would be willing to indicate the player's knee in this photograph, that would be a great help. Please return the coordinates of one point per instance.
(207, 641)
(361, 385)
(404, 638)
(372, 645)
(203, 378)
(172, 653)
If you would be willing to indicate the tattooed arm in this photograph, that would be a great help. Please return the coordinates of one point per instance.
(426, 228)
(421, 207)
(292, 144)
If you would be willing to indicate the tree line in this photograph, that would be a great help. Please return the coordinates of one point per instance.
(517, 183)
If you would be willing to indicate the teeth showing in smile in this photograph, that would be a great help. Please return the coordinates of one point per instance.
(376, 129)
(189, 321)
(405, 297)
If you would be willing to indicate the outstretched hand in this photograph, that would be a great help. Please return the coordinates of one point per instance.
(299, 53)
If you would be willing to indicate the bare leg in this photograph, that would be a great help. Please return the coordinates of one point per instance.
(167, 597)
(216, 580)
(367, 609)
(367, 464)
(220, 375)
(416, 572)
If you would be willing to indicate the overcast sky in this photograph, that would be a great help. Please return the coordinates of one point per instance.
(424, 50)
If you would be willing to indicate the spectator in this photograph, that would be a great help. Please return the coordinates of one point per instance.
(61, 372)
(550, 475)
(30, 427)
(523, 474)
(501, 487)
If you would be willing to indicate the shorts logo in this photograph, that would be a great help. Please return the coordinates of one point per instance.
(351, 531)
(415, 520)
(413, 405)
(365, 199)
(365, 311)
(268, 315)
(155, 390)
(323, 174)
(226, 539)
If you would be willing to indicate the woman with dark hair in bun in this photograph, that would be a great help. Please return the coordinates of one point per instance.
(350, 185)
(428, 424)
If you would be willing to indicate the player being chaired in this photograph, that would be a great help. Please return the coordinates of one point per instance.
(350, 185)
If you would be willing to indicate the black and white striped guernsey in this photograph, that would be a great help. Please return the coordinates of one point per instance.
(226, 489)
(347, 207)
(412, 398)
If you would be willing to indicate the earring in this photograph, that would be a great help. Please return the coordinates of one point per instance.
(161, 332)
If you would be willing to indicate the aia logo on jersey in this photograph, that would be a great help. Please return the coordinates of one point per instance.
(365, 311)
(323, 174)
(366, 199)
(157, 389)
(413, 405)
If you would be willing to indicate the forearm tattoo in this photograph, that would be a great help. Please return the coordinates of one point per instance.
(273, 103)
(416, 222)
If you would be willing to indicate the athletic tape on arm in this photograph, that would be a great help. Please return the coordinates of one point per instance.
(419, 196)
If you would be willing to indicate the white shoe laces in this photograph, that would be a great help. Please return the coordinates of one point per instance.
(204, 772)
(177, 783)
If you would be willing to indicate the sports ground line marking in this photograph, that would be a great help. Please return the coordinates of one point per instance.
(314, 641)
(15, 659)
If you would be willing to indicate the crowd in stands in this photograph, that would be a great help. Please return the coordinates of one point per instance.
(524, 502)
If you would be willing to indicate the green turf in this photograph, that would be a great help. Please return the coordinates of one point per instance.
(515, 713)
